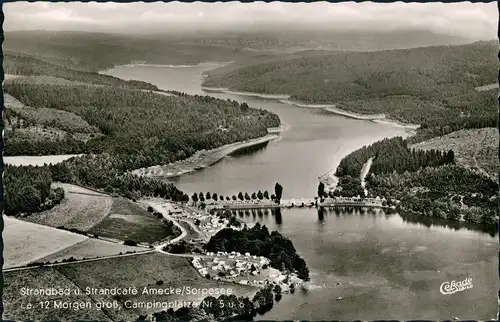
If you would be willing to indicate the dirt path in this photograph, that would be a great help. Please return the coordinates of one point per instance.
(476, 152)
(157, 206)
(78, 261)
(364, 173)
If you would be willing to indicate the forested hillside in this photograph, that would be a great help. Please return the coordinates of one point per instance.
(430, 86)
(421, 72)
(16, 63)
(91, 51)
(421, 182)
(158, 129)
(123, 125)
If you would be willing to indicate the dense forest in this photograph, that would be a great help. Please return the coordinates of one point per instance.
(449, 192)
(420, 182)
(158, 129)
(105, 171)
(65, 114)
(424, 73)
(18, 144)
(391, 155)
(430, 86)
(224, 308)
(257, 241)
(28, 190)
(29, 65)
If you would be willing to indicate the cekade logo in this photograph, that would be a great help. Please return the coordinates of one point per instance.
(448, 288)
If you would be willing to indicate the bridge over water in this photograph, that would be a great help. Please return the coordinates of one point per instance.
(299, 202)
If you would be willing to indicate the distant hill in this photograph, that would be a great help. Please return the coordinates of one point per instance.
(432, 86)
(98, 51)
(425, 71)
(28, 65)
(93, 51)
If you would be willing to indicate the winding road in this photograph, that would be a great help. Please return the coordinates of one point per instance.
(364, 172)
(157, 206)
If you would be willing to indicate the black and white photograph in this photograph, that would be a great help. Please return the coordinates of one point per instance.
(231, 161)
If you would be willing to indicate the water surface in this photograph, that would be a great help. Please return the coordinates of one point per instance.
(382, 266)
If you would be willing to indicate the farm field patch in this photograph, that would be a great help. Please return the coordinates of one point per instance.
(473, 148)
(144, 271)
(80, 209)
(90, 248)
(127, 220)
(43, 278)
(25, 242)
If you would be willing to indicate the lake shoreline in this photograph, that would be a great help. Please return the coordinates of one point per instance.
(332, 108)
(204, 158)
(200, 64)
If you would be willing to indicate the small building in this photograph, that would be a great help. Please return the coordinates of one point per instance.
(244, 282)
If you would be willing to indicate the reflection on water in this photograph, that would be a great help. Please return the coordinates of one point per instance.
(387, 266)
(384, 265)
(255, 149)
(361, 212)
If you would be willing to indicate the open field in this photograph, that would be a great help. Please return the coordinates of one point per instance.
(173, 271)
(37, 160)
(50, 117)
(488, 87)
(89, 248)
(25, 242)
(127, 220)
(9, 100)
(81, 209)
(43, 278)
(101, 214)
(473, 148)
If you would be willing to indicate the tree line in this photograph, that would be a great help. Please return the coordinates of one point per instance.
(258, 241)
(31, 65)
(447, 192)
(28, 190)
(201, 197)
(158, 129)
(431, 86)
(104, 172)
(389, 155)
(224, 308)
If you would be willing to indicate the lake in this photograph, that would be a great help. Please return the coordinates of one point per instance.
(382, 266)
